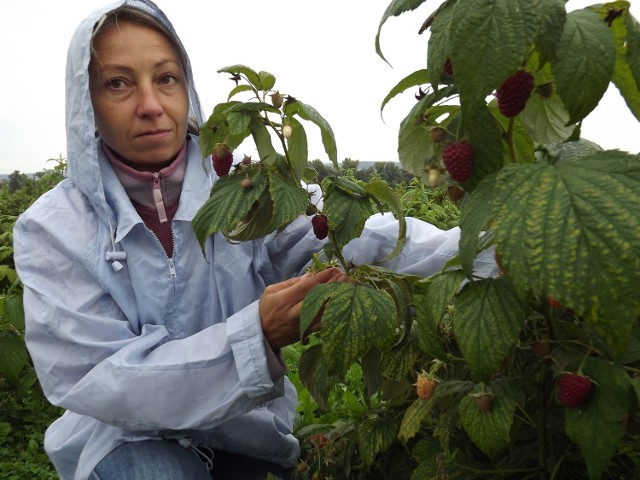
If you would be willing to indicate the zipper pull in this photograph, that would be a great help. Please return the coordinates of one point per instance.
(157, 198)
(172, 267)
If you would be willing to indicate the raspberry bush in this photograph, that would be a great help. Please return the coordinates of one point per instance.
(561, 214)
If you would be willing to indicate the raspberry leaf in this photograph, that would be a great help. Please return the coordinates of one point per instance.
(626, 73)
(489, 430)
(251, 75)
(487, 320)
(475, 216)
(356, 317)
(602, 414)
(415, 146)
(584, 62)
(14, 354)
(314, 375)
(379, 190)
(307, 112)
(414, 79)
(570, 230)
(346, 208)
(376, 435)
(480, 61)
(297, 146)
(289, 201)
(228, 204)
(413, 417)
(486, 139)
(432, 297)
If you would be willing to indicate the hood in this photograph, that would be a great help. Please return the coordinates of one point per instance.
(82, 145)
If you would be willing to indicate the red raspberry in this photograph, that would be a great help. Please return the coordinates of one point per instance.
(514, 92)
(553, 302)
(573, 389)
(458, 158)
(425, 386)
(222, 158)
(320, 226)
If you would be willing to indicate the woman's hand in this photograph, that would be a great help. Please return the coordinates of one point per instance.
(281, 303)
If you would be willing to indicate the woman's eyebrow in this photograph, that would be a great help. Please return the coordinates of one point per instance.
(125, 68)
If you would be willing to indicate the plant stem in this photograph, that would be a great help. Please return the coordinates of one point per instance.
(338, 253)
(509, 139)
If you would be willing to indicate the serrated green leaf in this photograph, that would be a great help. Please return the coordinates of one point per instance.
(267, 80)
(570, 230)
(552, 15)
(475, 217)
(380, 190)
(262, 139)
(571, 151)
(239, 89)
(489, 430)
(355, 318)
(487, 321)
(13, 355)
(633, 46)
(486, 139)
(289, 201)
(432, 298)
(416, 149)
(546, 119)
(413, 417)
(257, 224)
(297, 147)
(626, 74)
(346, 214)
(249, 73)
(603, 413)
(398, 362)
(375, 435)
(584, 62)
(418, 77)
(439, 48)
(215, 129)
(503, 31)
(238, 123)
(227, 204)
(307, 112)
(314, 375)
(7, 272)
(13, 312)
(395, 8)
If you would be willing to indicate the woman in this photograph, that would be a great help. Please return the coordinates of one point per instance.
(167, 365)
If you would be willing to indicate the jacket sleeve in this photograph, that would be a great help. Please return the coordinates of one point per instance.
(90, 360)
(426, 251)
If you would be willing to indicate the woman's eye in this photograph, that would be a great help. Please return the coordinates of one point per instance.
(115, 83)
(168, 79)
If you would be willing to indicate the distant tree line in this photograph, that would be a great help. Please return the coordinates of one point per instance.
(391, 172)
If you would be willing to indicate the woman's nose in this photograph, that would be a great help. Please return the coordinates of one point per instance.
(149, 103)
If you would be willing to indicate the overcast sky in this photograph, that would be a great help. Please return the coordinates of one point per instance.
(321, 52)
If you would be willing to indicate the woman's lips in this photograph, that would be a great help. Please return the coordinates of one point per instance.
(154, 134)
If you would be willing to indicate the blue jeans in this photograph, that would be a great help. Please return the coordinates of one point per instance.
(168, 460)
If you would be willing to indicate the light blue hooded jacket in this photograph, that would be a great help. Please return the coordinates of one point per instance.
(163, 347)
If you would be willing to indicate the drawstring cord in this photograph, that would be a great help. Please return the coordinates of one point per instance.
(115, 256)
(204, 453)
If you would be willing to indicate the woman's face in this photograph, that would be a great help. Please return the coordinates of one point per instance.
(139, 94)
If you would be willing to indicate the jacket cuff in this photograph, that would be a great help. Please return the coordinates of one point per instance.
(258, 367)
